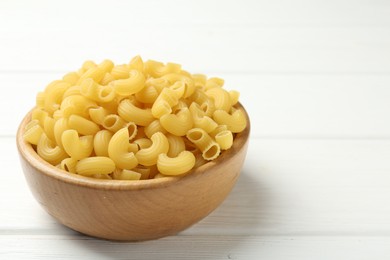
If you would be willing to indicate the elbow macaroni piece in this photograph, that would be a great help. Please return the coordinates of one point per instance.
(134, 121)
(148, 156)
(97, 114)
(131, 113)
(77, 147)
(178, 165)
(69, 165)
(235, 122)
(113, 123)
(48, 151)
(129, 175)
(118, 150)
(131, 85)
(95, 165)
(96, 92)
(224, 139)
(33, 132)
(101, 141)
(210, 149)
(221, 98)
(153, 128)
(82, 125)
(176, 145)
(177, 124)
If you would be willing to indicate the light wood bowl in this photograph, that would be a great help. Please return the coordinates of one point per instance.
(132, 210)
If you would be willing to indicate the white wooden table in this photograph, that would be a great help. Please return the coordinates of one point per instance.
(314, 76)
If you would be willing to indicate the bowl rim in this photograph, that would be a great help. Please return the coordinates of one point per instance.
(26, 151)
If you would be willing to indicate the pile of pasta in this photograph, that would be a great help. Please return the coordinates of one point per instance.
(140, 120)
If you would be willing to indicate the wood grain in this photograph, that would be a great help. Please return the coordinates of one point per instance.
(213, 247)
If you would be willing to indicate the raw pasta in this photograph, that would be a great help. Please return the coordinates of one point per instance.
(135, 121)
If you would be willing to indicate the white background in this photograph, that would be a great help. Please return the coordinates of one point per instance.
(314, 77)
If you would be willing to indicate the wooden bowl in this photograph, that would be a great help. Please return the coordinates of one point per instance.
(132, 210)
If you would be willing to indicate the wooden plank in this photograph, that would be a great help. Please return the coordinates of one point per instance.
(287, 187)
(197, 247)
(73, 14)
(334, 36)
(253, 49)
(280, 105)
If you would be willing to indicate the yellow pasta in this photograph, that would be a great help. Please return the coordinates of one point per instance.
(189, 83)
(161, 108)
(88, 64)
(147, 95)
(95, 165)
(201, 120)
(134, 121)
(178, 165)
(148, 156)
(177, 124)
(98, 114)
(210, 149)
(179, 89)
(53, 95)
(120, 72)
(131, 85)
(101, 141)
(71, 78)
(158, 83)
(235, 122)
(224, 139)
(219, 129)
(136, 63)
(82, 126)
(208, 107)
(180, 105)
(113, 122)
(176, 145)
(50, 152)
(140, 132)
(158, 69)
(214, 83)
(118, 150)
(40, 115)
(199, 160)
(95, 73)
(60, 126)
(69, 165)
(107, 79)
(144, 171)
(143, 143)
(164, 102)
(75, 146)
(48, 126)
(153, 128)
(131, 113)
(221, 98)
(234, 96)
(199, 81)
(76, 105)
(90, 89)
(74, 90)
(106, 65)
(33, 132)
(128, 175)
